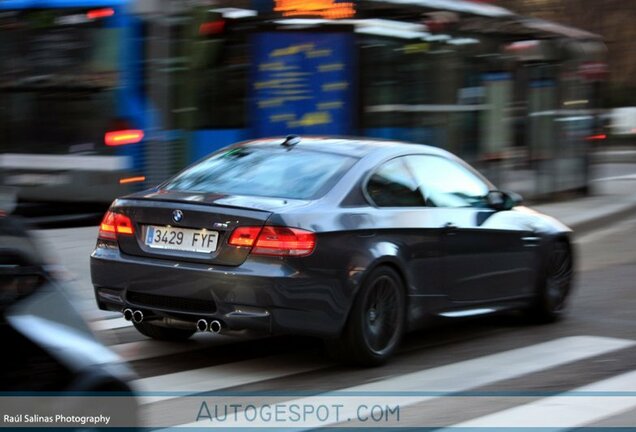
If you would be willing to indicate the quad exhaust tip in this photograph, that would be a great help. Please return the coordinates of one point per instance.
(138, 316)
(216, 326)
(135, 316)
(202, 325)
(128, 314)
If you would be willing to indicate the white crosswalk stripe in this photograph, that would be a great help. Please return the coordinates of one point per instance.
(455, 377)
(223, 376)
(109, 324)
(557, 412)
(563, 412)
(147, 349)
(143, 348)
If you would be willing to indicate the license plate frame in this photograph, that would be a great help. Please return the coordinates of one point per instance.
(178, 239)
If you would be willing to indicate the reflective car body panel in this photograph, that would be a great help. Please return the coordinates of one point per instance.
(448, 258)
(200, 216)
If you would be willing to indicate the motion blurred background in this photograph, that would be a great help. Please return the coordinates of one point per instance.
(99, 98)
(103, 97)
(613, 20)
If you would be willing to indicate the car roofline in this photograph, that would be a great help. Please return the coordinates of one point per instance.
(365, 146)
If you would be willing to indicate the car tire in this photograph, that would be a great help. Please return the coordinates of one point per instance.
(163, 333)
(376, 321)
(554, 284)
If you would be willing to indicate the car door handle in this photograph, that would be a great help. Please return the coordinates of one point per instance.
(449, 226)
(531, 240)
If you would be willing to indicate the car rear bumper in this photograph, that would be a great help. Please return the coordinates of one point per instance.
(263, 294)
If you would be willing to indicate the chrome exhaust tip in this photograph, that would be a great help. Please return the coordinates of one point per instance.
(138, 316)
(216, 326)
(202, 325)
(128, 314)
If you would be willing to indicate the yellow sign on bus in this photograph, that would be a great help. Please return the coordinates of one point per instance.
(328, 9)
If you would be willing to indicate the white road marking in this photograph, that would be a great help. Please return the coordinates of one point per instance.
(109, 324)
(149, 348)
(613, 178)
(146, 349)
(223, 376)
(565, 412)
(456, 377)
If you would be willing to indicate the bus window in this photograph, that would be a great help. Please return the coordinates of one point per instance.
(57, 81)
(217, 76)
(403, 82)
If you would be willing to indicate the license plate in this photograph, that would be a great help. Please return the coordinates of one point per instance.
(183, 239)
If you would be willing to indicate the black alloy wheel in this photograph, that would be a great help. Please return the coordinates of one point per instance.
(555, 285)
(376, 322)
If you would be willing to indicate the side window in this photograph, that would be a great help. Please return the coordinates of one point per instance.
(445, 183)
(392, 185)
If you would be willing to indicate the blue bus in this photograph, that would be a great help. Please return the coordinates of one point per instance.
(96, 98)
(510, 94)
(71, 97)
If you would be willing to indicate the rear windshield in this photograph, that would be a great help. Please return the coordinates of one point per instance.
(268, 172)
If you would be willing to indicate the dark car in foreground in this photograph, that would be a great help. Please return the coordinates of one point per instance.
(352, 240)
(51, 360)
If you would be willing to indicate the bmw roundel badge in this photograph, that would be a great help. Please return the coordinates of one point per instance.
(177, 215)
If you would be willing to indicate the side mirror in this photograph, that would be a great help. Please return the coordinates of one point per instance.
(499, 200)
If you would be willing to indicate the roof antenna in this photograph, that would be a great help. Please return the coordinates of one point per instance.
(291, 141)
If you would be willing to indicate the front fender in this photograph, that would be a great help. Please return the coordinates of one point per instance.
(541, 223)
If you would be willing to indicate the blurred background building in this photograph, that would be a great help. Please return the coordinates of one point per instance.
(613, 19)
(101, 97)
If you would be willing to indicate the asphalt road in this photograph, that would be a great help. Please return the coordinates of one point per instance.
(509, 369)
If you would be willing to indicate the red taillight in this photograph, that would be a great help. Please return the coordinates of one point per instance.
(100, 13)
(113, 224)
(244, 236)
(123, 137)
(285, 242)
(276, 241)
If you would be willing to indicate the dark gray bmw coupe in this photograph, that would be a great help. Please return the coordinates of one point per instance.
(352, 240)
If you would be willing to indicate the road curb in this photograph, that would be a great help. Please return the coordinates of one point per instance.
(617, 156)
(588, 225)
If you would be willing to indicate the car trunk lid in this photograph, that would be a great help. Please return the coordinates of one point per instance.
(206, 222)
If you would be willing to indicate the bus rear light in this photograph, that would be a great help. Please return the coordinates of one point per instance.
(599, 137)
(123, 137)
(115, 224)
(211, 28)
(127, 180)
(100, 13)
(275, 241)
